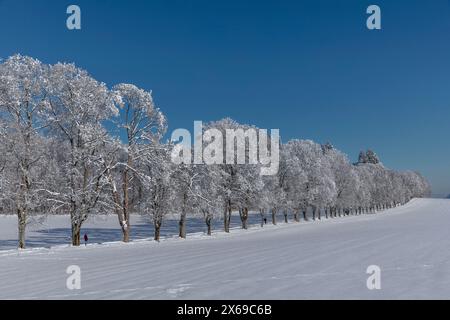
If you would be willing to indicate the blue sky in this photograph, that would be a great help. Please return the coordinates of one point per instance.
(310, 68)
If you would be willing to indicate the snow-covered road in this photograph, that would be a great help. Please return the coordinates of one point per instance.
(325, 260)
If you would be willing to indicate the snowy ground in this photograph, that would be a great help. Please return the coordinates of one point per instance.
(325, 260)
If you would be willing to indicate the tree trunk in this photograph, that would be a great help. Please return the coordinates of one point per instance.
(157, 231)
(274, 216)
(244, 217)
(76, 230)
(22, 204)
(182, 226)
(125, 230)
(261, 213)
(22, 225)
(182, 222)
(24, 179)
(227, 217)
(208, 224)
(304, 215)
(230, 210)
(314, 213)
(296, 217)
(123, 222)
(319, 214)
(286, 217)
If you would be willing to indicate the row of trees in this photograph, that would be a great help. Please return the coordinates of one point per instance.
(70, 145)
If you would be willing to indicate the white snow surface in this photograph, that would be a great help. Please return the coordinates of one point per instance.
(324, 259)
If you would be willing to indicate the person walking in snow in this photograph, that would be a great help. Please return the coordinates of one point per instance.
(85, 239)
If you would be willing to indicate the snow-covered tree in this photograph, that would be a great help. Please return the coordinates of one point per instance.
(22, 112)
(78, 104)
(156, 176)
(274, 196)
(141, 126)
(362, 158)
(364, 187)
(372, 157)
(205, 194)
(414, 185)
(184, 181)
(310, 182)
(240, 184)
(345, 180)
(4, 171)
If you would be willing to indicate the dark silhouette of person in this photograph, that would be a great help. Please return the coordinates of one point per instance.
(265, 220)
(85, 239)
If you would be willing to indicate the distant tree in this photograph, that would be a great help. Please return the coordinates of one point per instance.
(362, 158)
(310, 183)
(327, 147)
(240, 184)
(156, 175)
(345, 181)
(184, 181)
(206, 194)
(372, 157)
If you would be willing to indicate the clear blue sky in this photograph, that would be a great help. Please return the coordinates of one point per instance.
(310, 68)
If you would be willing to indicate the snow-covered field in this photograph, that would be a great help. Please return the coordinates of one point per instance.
(324, 259)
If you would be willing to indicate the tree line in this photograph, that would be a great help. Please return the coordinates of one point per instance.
(70, 145)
